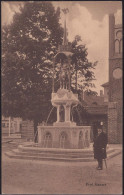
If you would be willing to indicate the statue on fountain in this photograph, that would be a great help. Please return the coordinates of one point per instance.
(64, 76)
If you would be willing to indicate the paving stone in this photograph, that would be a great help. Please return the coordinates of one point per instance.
(33, 177)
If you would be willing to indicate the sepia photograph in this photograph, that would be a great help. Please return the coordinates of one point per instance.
(61, 97)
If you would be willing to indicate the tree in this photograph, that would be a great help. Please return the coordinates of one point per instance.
(28, 45)
(83, 74)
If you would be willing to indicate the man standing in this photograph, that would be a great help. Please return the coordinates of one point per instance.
(100, 143)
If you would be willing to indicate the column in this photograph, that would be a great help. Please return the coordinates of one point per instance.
(67, 113)
(58, 113)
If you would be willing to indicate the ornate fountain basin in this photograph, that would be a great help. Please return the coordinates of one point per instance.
(64, 136)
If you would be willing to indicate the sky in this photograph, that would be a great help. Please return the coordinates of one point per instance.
(89, 19)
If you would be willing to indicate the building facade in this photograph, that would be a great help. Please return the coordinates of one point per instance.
(106, 92)
(108, 106)
(10, 125)
(115, 104)
(95, 112)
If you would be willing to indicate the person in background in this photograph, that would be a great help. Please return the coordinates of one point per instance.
(99, 146)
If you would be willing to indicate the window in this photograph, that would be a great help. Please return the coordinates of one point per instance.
(63, 140)
(86, 135)
(81, 135)
(47, 140)
(81, 141)
(121, 46)
(116, 46)
(3, 125)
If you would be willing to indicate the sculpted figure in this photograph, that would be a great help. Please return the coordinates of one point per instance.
(64, 76)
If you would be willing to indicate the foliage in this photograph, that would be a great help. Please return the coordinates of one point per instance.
(28, 46)
(83, 74)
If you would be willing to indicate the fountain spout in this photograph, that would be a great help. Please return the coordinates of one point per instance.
(49, 114)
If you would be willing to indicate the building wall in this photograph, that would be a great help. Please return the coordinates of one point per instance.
(14, 125)
(94, 99)
(5, 126)
(96, 113)
(106, 92)
(94, 120)
(112, 122)
(115, 77)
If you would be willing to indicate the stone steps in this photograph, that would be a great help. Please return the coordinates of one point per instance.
(56, 156)
(12, 155)
(52, 154)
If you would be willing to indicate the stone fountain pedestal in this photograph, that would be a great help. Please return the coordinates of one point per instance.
(64, 133)
(64, 137)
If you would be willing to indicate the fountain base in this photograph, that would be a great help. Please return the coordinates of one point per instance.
(61, 136)
(32, 151)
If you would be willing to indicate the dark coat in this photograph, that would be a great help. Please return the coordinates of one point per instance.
(100, 143)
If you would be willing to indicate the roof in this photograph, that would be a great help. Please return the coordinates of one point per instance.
(105, 84)
(91, 99)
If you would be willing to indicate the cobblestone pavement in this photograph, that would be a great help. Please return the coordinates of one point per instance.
(36, 177)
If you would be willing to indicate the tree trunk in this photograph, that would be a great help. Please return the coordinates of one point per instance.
(35, 131)
(76, 77)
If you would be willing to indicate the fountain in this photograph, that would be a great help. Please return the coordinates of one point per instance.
(64, 133)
